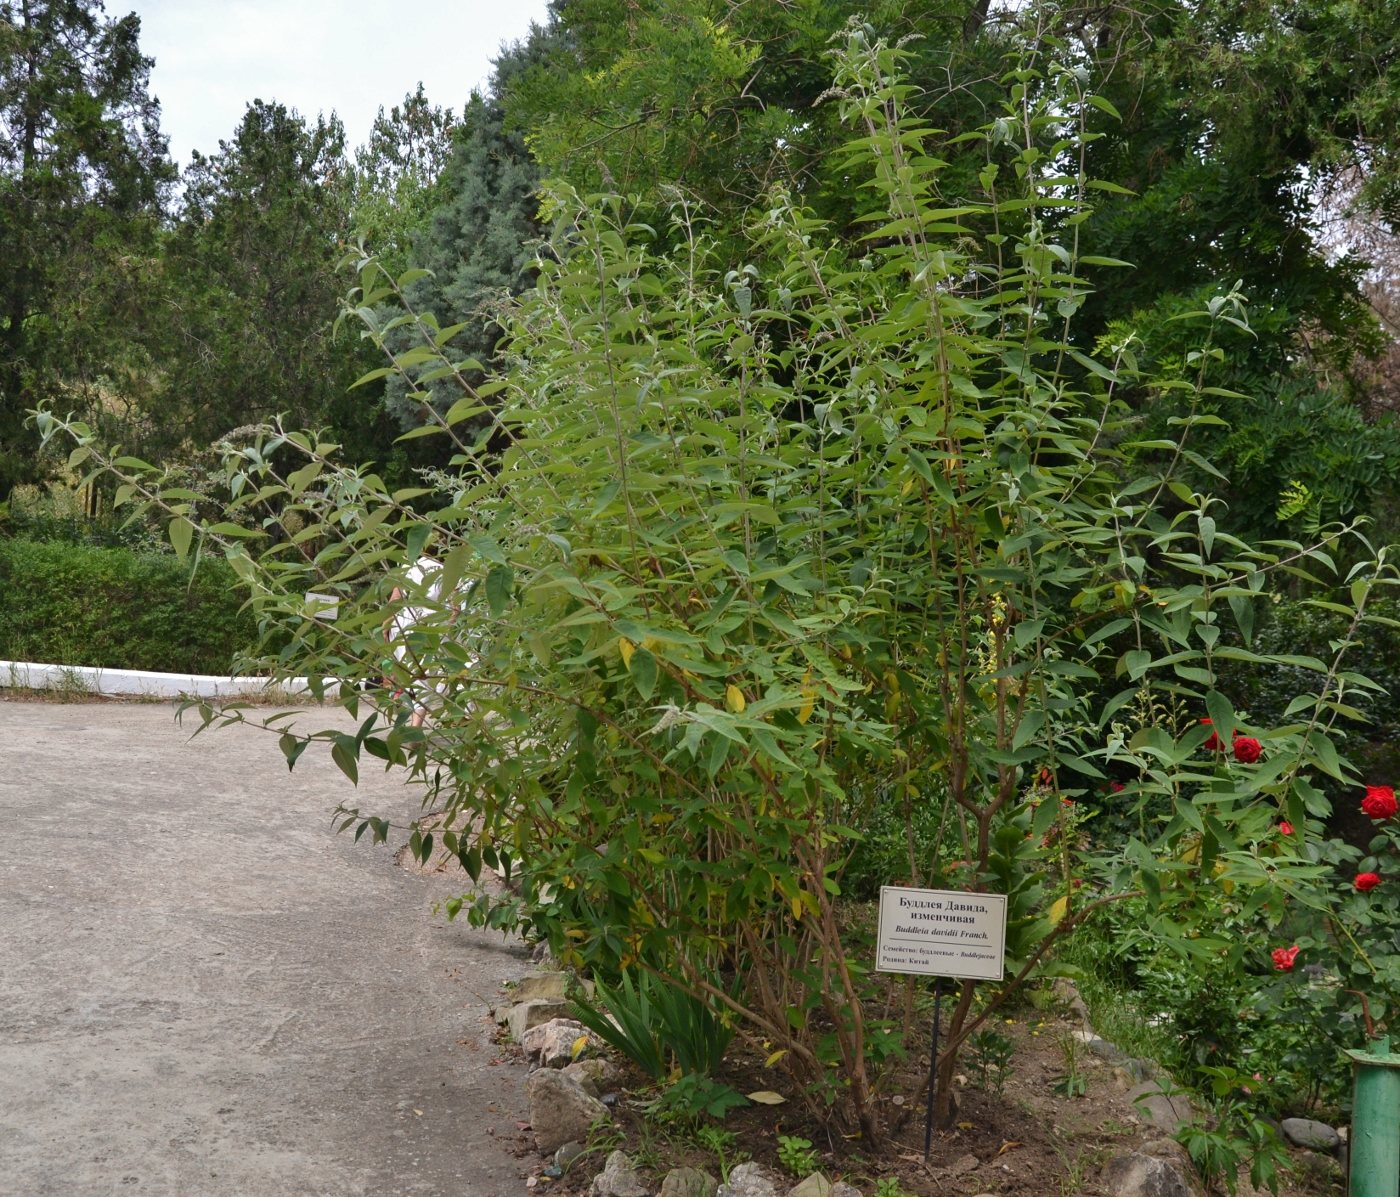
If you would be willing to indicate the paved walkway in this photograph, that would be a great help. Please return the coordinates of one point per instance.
(205, 991)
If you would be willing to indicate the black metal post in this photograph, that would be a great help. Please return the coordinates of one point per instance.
(932, 1067)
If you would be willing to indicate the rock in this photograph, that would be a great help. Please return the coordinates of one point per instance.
(964, 1164)
(1308, 1132)
(540, 987)
(750, 1180)
(524, 1015)
(1068, 994)
(560, 1111)
(1129, 1072)
(618, 1179)
(842, 1189)
(1100, 1047)
(567, 1154)
(1108, 1051)
(688, 1182)
(551, 1044)
(1158, 1110)
(1160, 1169)
(815, 1185)
(593, 1076)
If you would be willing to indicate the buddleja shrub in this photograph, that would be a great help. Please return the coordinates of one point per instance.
(749, 551)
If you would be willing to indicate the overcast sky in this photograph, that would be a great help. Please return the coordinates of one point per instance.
(350, 56)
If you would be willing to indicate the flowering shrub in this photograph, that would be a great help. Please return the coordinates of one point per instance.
(1247, 749)
(1379, 802)
(1347, 932)
(757, 551)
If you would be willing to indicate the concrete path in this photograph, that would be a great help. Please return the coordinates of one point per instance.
(205, 991)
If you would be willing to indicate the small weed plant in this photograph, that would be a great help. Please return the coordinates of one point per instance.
(989, 1057)
(1234, 1137)
(796, 1155)
(721, 1144)
(1071, 1082)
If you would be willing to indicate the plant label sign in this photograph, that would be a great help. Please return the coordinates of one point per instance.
(941, 933)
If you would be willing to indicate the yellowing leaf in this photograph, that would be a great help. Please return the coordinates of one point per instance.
(734, 699)
(809, 702)
(766, 1097)
(576, 1048)
(626, 648)
(797, 907)
(1058, 908)
(775, 1057)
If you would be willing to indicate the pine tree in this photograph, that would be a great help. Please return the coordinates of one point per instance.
(477, 243)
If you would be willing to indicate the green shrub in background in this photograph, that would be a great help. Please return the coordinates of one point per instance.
(79, 605)
(1309, 627)
(60, 514)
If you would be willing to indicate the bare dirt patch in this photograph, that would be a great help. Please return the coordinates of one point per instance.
(1027, 1139)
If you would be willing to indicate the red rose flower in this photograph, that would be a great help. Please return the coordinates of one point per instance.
(1379, 802)
(1285, 827)
(1213, 743)
(1283, 958)
(1366, 882)
(1247, 749)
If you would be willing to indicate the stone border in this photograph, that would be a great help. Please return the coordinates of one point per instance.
(95, 679)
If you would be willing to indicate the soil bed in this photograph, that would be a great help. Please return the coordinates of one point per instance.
(1027, 1140)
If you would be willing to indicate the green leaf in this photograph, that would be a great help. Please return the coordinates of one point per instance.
(1104, 105)
(292, 747)
(345, 753)
(1136, 662)
(1029, 728)
(498, 588)
(181, 533)
(1222, 716)
(643, 670)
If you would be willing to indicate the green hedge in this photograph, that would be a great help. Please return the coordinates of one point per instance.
(79, 605)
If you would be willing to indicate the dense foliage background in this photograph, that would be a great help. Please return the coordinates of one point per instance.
(1248, 143)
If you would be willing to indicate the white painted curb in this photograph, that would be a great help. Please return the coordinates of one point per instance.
(96, 680)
